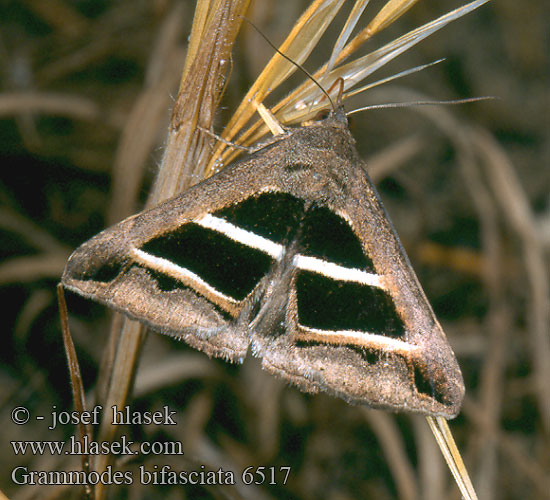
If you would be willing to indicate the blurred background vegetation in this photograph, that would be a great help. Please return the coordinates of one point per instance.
(79, 77)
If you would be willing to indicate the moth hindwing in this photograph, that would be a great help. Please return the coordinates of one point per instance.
(288, 253)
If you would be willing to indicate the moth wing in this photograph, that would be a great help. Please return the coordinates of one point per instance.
(171, 268)
(291, 251)
(357, 322)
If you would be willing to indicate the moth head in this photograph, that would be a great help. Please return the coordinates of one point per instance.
(329, 117)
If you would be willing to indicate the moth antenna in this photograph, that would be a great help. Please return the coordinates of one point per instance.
(396, 76)
(420, 103)
(338, 81)
(301, 68)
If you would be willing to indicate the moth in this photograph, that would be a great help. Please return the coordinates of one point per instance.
(288, 254)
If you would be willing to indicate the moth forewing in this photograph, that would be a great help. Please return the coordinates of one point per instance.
(288, 251)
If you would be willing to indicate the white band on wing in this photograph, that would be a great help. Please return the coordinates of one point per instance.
(173, 270)
(363, 339)
(337, 272)
(242, 235)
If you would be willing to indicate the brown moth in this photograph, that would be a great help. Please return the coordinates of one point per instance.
(290, 254)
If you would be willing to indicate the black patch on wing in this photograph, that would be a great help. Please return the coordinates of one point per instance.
(422, 382)
(426, 383)
(297, 167)
(328, 236)
(370, 356)
(274, 216)
(164, 283)
(168, 284)
(327, 304)
(230, 267)
(105, 273)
